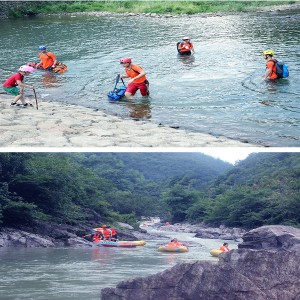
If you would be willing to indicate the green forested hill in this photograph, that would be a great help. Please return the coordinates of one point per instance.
(76, 187)
(73, 187)
(263, 189)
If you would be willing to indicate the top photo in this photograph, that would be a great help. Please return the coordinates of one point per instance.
(149, 74)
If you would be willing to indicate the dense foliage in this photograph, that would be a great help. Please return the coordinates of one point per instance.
(160, 7)
(75, 187)
(79, 186)
(263, 189)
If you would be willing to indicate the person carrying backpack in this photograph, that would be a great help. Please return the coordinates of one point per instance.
(185, 47)
(137, 81)
(274, 68)
(48, 59)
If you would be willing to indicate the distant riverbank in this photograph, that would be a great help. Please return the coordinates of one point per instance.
(150, 8)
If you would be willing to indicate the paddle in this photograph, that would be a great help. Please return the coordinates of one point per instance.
(117, 80)
(36, 101)
(122, 81)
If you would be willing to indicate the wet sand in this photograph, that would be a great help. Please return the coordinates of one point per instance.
(63, 125)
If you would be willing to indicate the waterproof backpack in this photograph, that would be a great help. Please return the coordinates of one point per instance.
(282, 69)
(119, 91)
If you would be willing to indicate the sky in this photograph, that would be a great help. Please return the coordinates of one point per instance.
(228, 154)
(233, 155)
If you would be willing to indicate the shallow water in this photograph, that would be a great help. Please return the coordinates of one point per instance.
(219, 90)
(76, 274)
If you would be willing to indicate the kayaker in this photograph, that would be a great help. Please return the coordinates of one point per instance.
(174, 243)
(48, 59)
(13, 82)
(106, 233)
(185, 47)
(114, 235)
(97, 237)
(270, 65)
(225, 248)
(137, 81)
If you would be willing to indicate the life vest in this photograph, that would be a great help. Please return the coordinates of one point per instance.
(60, 68)
(174, 244)
(184, 48)
(224, 249)
(273, 75)
(107, 233)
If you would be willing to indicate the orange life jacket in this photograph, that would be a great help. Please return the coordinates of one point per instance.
(185, 47)
(224, 249)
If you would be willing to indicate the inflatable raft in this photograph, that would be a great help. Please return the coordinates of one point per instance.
(215, 252)
(124, 244)
(173, 249)
(58, 69)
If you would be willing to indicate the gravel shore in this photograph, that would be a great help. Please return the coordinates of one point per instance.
(63, 125)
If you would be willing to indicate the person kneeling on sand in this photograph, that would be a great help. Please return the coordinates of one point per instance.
(13, 82)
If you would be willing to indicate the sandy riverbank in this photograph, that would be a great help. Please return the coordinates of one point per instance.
(63, 125)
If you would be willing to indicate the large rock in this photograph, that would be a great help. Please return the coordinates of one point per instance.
(272, 237)
(10, 237)
(241, 274)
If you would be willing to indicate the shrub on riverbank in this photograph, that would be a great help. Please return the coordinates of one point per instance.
(159, 7)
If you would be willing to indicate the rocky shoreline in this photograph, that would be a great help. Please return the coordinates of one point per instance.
(265, 266)
(202, 231)
(57, 124)
(51, 234)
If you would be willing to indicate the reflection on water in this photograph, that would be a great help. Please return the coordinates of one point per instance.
(140, 110)
(186, 59)
(49, 80)
(217, 90)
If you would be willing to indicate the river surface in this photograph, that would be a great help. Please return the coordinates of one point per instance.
(219, 90)
(76, 274)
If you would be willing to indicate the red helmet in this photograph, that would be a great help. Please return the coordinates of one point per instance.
(125, 60)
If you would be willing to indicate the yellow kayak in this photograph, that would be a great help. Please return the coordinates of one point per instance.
(215, 252)
(173, 249)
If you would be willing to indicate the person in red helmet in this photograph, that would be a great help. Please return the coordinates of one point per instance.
(137, 81)
(12, 84)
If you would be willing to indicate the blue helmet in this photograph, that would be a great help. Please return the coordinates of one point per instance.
(42, 47)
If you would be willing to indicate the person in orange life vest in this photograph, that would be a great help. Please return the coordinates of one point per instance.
(114, 235)
(97, 235)
(48, 59)
(174, 243)
(13, 82)
(270, 65)
(186, 46)
(137, 81)
(225, 248)
(106, 232)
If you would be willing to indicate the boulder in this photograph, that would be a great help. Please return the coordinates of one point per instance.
(10, 237)
(268, 271)
(272, 237)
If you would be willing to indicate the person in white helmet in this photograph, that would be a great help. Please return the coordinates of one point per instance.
(14, 85)
(185, 47)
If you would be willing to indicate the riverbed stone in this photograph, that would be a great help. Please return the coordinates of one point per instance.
(241, 274)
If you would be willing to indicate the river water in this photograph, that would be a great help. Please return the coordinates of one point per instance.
(219, 90)
(76, 274)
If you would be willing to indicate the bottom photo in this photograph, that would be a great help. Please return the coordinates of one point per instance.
(215, 224)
